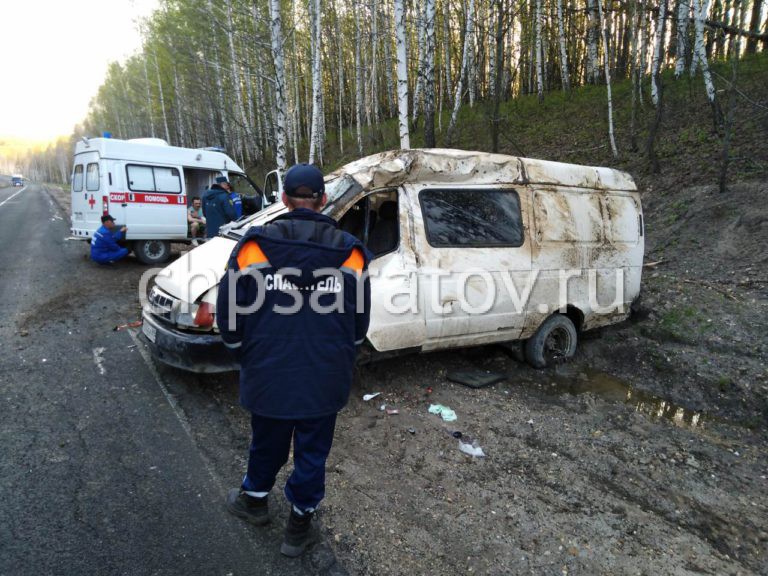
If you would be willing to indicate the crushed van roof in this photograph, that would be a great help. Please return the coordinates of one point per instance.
(435, 165)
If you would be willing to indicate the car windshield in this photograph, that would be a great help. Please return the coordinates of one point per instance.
(337, 189)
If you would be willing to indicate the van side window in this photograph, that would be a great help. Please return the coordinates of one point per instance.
(167, 180)
(472, 217)
(153, 179)
(77, 179)
(92, 177)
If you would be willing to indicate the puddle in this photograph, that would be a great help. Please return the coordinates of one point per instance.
(616, 390)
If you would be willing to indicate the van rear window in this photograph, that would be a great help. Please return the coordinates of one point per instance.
(92, 177)
(153, 179)
(77, 179)
(472, 217)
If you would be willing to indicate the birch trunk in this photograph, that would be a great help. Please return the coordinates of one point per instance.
(539, 55)
(592, 34)
(219, 82)
(149, 98)
(240, 109)
(566, 78)
(468, 32)
(658, 52)
(180, 131)
(429, 75)
(701, 7)
(402, 75)
(276, 29)
(162, 100)
(374, 100)
(317, 85)
(358, 84)
(683, 13)
(447, 50)
(340, 65)
(606, 63)
(420, 10)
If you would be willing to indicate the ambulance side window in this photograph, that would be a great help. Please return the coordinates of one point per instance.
(92, 177)
(77, 179)
(167, 180)
(140, 178)
(153, 179)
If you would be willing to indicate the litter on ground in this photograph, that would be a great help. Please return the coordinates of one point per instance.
(445, 413)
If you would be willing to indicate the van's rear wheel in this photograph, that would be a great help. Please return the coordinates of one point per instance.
(152, 251)
(554, 342)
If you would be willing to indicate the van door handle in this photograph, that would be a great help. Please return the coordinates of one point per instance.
(123, 205)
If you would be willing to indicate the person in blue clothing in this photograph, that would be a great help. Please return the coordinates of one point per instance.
(104, 246)
(293, 307)
(218, 207)
(237, 202)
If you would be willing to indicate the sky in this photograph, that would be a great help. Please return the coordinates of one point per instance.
(54, 56)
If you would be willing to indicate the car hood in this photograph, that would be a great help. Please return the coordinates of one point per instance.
(197, 271)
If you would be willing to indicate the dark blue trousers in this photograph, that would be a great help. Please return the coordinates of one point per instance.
(110, 256)
(270, 446)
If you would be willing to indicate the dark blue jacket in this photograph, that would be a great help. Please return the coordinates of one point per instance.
(297, 365)
(104, 244)
(217, 209)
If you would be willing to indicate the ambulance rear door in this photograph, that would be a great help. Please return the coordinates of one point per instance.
(155, 202)
(89, 193)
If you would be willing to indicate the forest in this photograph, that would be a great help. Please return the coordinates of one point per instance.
(327, 81)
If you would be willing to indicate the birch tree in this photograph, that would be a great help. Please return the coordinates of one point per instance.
(683, 13)
(658, 52)
(429, 74)
(701, 7)
(276, 29)
(592, 35)
(468, 33)
(315, 139)
(566, 79)
(402, 75)
(607, 80)
(539, 55)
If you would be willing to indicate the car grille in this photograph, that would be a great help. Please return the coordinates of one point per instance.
(161, 304)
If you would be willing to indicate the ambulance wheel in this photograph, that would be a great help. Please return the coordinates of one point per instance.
(152, 251)
(554, 342)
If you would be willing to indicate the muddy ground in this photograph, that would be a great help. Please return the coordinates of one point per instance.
(646, 454)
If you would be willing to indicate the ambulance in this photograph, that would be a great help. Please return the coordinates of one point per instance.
(147, 186)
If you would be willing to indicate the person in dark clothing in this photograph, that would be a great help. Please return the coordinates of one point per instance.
(293, 307)
(218, 208)
(104, 246)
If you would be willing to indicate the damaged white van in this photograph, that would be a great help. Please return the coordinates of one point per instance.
(470, 248)
(148, 186)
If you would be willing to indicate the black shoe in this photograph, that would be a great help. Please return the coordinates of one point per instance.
(297, 534)
(250, 509)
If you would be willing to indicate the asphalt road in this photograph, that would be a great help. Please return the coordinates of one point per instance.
(100, 469)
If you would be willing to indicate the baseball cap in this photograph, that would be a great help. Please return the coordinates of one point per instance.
(221, 180)
(304, 181)
(107, 217)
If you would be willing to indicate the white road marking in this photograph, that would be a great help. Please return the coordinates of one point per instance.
(176, 409)
(98, 359)
(12, 196)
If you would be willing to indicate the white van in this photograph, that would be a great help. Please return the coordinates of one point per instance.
(147, 185)
(469, 248)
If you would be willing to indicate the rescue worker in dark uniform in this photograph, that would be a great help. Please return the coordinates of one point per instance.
(218, 208)
(104, 246)
(296, 365)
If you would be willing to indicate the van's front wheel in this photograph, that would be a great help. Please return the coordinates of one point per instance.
(553, 342)
(152, 251)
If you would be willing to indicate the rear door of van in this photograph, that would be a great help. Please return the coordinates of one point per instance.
(156, 204)
(87, 198)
